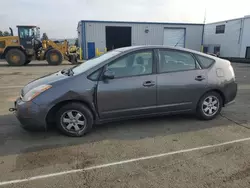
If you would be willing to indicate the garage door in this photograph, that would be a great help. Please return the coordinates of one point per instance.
(174, 37)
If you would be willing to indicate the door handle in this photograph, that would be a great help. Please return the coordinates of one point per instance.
(149, 83)
(199, 78)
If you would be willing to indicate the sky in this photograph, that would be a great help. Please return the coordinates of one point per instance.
(59, 18)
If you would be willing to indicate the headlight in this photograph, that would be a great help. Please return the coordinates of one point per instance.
(35, 92)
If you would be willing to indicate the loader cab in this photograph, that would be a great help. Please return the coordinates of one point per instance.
(27, 34)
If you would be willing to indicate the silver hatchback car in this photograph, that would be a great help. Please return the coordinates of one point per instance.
(127, 83)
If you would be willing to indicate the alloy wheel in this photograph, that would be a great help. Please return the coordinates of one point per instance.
(73, 121)
(210, 105)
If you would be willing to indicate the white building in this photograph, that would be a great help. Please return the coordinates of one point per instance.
(114, 34)
(230, 38)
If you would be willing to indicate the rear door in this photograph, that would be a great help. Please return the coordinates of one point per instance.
(133, 90)
(180, 81)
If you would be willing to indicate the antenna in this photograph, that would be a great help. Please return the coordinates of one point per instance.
(203, 30)
(205, 16)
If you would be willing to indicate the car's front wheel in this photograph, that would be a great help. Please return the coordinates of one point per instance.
(209, 106)
(74, 119)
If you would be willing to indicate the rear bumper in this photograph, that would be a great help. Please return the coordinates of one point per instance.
(230, 92)
(30, 115)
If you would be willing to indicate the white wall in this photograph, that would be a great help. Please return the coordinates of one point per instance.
(245, 37)
(229, 41)
(95, 32)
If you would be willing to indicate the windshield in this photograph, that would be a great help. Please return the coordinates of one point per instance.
(93, 62)
(26, 32)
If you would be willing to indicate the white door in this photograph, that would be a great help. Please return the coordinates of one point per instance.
(174, 37)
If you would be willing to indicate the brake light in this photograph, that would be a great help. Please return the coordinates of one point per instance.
(231, 70)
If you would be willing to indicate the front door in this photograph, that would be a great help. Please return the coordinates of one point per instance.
(132, 91)
(26, 36)
(180, 81)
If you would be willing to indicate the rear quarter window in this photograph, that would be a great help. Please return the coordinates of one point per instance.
(204, 61)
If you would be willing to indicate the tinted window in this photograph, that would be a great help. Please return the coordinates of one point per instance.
(175, 61)
(134, 64)
(220, 29)
(205, 61)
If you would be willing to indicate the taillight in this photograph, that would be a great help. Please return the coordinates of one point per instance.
(231, 70)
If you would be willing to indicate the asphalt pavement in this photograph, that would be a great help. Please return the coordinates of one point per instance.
(172, 151)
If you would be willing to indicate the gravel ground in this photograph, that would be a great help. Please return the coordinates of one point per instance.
(26, 154)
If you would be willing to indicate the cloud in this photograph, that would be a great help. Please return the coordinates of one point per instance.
(59, 18)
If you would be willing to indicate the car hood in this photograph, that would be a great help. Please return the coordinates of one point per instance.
(48, 79)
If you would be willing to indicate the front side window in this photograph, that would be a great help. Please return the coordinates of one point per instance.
(134, 64)
(171, 61)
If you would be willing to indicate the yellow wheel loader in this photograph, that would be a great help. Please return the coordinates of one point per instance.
(20, 50)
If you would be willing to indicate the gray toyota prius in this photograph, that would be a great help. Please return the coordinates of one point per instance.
(125, 83)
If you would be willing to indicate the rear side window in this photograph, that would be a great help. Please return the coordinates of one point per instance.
(205, 61)
(172, 61)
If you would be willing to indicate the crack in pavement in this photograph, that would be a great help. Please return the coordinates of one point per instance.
(233, 121)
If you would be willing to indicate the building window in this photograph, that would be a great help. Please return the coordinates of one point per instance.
(217, 50)
(205, 49)
(220, 29)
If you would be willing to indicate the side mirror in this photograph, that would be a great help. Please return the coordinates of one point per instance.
(108, 74)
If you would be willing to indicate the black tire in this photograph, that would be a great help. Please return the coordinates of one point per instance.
(27, 62)
(54, 57)
(74, 108)
(203, 109)
(15, 57)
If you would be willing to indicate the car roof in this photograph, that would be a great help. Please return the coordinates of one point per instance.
(134, 48)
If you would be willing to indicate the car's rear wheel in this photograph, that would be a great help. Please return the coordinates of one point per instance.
(209, 106)
(74, 119)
